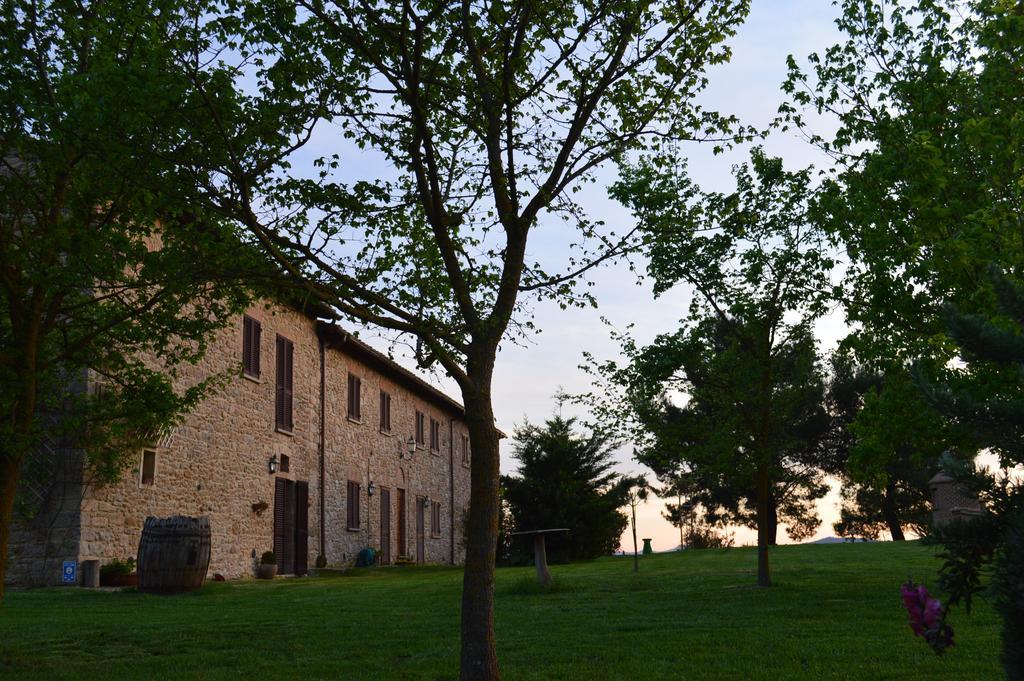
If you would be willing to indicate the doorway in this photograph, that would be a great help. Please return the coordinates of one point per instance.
(420, 501)
(385, 526)
(401, 523)
(291, 526)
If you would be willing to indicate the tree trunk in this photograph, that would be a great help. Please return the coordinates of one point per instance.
(889, 511)
(773, 522)
(763, 525)
(479, 658)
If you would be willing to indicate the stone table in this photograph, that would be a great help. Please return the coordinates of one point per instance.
(540, 553)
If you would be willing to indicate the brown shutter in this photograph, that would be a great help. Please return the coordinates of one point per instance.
(257, 332)
(348, 405)
(289, 405)
(352, 506)
(247, 345)
(279, 516)
(301, 528)
(355, 496)
(279, 378)
(286, 561)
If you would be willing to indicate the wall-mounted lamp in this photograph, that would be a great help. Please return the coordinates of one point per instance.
(272, 464)
(371, 489)
(426, 502)
(410, 446)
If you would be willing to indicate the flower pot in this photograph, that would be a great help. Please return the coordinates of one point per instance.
(266, 571)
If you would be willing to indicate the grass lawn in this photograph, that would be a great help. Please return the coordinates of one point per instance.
(835, 613)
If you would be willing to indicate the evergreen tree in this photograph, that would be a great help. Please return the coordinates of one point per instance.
(565, 479)
(987, 397)
(885, 444)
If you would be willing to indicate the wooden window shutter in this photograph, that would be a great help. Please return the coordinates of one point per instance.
(352, 506)
(279, 384)
(279, 517)
(251, 331)
(301, 527)
(289, 401)
(385, 411)
(354, 390)
(257, 332)
(283, 397)
(247, 345)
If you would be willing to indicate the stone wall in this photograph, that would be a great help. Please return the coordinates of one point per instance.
(216, 462)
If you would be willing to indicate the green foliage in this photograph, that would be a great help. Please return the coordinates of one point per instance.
(268, 558)
(101, 260)
(565, 479)
(885, 445)
(702, 536)
(984, 396)
(928, 189)
(119, 568)
(735, 397)
(486, 120)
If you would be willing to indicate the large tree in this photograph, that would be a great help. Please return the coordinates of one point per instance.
(565, 479)
(96, 269)
(985, 395)
(481, 120)
(926, 191)
(885, 445)
(745, 359)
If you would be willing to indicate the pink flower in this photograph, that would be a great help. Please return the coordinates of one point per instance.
(927, 618)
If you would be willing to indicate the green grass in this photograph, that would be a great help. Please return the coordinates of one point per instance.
(835, 613)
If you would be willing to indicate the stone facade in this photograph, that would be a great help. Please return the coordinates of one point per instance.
(216, 463)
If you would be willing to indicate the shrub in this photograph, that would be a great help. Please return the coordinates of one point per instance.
(707, 537)
(118, 567)
(268, 558)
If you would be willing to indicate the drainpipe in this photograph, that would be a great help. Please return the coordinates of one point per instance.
(451, 487)
(323, 373)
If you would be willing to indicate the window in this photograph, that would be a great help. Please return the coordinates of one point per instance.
(385, 412)
(283, 395)
(435, 519)
(148, 467)
(352, 507)
(285, 463)
(435, 435)
(421, 421)
(354, 389)
(465, 450)
(251, 331)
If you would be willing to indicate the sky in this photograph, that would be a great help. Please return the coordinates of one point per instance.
(528, 376)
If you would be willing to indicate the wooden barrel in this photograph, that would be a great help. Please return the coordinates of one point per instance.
(174, 554)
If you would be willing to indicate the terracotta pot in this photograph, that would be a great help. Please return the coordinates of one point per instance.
(266, 571)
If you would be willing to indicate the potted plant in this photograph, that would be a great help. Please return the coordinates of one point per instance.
(268, 566)
(119, 573)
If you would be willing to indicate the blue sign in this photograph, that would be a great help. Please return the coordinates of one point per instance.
(70, 572)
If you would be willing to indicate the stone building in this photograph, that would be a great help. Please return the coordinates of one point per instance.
(304, 451)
